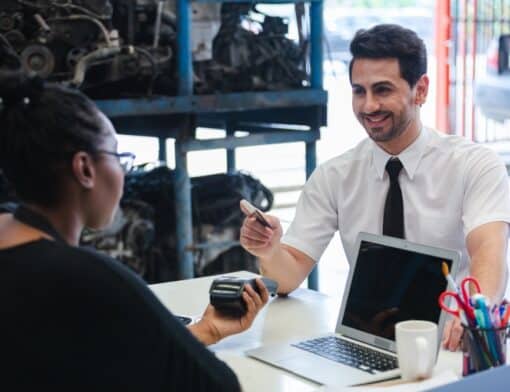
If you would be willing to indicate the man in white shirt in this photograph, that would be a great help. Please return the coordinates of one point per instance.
(452, 193)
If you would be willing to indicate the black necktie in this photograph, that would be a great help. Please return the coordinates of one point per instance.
(393, 223)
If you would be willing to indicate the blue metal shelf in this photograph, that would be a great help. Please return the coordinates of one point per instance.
(268, 116)
(257, 2)
(198, 104)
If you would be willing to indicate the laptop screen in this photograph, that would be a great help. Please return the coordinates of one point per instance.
(391, 285)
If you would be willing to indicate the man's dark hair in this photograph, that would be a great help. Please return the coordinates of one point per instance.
(42, 126)
(391, 41)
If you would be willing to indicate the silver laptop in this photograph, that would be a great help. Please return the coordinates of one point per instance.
(391, 280)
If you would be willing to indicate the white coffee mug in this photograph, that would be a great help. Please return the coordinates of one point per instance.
(416, 348)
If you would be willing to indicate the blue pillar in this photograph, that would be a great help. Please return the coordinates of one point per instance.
(231, 153)
(184, 222)
(316, 56)
(162, 157)
(311, 162)
(183, 216)
(184, 61)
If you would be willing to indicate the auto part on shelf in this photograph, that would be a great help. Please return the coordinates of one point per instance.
(143, 233)
(104, 47)
(127, 48)
(248, 60)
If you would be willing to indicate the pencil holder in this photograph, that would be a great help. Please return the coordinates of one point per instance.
(483, 348)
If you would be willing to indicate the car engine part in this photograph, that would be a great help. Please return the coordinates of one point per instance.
(127, 48)
(96, 45)
(249, 59)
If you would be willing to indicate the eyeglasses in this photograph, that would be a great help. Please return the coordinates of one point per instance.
(126, 159)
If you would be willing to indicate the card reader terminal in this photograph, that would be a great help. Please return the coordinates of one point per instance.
(226, 293)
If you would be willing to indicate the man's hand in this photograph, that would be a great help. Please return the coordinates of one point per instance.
(452, 335)
(260, 241)
(282, 263)
(214, 326)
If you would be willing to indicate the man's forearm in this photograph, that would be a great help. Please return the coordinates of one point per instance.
(289, 268)
(487, 247)
(490, 269)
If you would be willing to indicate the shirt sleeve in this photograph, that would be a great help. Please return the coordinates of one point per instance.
(487, 196)
(316, 219)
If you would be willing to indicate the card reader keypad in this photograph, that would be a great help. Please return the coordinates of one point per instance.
(349, 353)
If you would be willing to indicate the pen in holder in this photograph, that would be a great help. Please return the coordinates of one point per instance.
(483, 348)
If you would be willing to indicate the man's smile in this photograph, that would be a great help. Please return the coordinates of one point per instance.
(376, 120)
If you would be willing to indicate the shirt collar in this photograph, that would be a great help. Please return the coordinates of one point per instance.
(410, 157)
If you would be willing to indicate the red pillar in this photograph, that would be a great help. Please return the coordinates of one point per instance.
(473, 71)
(443, 37)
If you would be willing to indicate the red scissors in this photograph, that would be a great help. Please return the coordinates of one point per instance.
(464, 287)
(461, 298)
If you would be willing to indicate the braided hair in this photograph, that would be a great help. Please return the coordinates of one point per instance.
(42, 125)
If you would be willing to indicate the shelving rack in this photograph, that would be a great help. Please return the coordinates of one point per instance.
(268, 117)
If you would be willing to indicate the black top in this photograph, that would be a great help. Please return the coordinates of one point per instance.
(72, 319)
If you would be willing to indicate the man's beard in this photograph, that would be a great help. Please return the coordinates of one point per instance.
(378, 135)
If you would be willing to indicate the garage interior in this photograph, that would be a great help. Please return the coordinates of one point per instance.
(214, 111)
(225, 100)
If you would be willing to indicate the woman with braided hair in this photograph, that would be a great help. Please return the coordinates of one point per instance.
(72, 318)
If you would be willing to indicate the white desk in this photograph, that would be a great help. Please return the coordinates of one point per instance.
(301, 314)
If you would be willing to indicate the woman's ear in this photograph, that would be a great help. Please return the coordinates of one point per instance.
(83, 168)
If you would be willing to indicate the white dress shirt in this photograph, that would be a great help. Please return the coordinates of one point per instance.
(449, 184)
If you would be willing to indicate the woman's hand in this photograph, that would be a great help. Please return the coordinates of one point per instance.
(214, 326)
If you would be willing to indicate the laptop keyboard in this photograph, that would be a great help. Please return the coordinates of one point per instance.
(349, 353)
